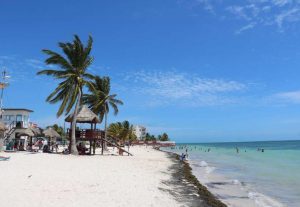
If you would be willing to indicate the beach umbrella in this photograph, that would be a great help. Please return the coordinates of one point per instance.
(2, 127)
(24, 132)
(38, 132)
(85, 115)
(51, 133)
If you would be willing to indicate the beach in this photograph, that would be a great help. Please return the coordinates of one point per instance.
(145, 179)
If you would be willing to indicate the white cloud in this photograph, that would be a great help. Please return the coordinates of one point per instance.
(291, 15)
(207, 5)
(288, 97)
(245, 28)
(281, 2)
(181, 88)
(239, 11)
(275, 13)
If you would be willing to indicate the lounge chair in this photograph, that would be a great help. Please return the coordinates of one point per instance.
(2, 158)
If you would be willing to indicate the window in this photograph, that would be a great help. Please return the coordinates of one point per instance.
(6, 118)
(25, 118)
(19, 117)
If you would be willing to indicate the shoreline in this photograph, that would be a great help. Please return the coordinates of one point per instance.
(191, 190)
(232, 189)
(149, 178)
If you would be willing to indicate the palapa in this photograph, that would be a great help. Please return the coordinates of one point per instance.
(85, 115)
(51, 133)
(24, 132)
(38, 132)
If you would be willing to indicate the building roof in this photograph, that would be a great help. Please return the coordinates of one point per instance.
(85, 115)
(50, 132)
(38, 132)
(24, 132)
(17, 109)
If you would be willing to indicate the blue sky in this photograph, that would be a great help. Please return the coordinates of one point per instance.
(200, 70)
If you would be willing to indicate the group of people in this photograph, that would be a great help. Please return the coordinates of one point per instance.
(47, 147)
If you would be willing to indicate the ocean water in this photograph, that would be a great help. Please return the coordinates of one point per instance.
(269, 178)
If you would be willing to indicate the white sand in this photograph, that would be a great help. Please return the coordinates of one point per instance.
(65, 180)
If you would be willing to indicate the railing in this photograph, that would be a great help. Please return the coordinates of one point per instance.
(87, 134)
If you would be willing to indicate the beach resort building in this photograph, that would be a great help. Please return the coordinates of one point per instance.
(140, 132)
(17, 123)
(16, 117)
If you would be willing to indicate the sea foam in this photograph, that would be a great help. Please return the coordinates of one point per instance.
(262, 200)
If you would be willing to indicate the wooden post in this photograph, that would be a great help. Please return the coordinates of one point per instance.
(94, 145)
(90, 147)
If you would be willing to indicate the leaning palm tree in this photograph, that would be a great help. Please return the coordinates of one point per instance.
(73, 74)
(100, 100)
(122, 130)
(115, 130)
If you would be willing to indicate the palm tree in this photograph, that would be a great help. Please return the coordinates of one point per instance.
(100, 100)
(115, 130)
(72, 72)
(123, 131)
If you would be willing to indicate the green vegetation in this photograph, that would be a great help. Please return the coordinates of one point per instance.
(163, 137)
(122, 131)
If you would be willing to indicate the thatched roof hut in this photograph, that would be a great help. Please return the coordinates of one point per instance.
(38, 132)
(24, 132)
(51, 133)
(2, 127)
(85, 115)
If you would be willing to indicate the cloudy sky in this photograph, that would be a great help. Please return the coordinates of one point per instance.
(200, 70)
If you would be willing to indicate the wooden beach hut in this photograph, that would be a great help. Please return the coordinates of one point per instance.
(92, 135)
(19, 132)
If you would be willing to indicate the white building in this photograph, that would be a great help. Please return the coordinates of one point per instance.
(17, 121)
(13, 117)
(140, 132)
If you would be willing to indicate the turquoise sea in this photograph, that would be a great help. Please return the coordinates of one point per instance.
(266, 170)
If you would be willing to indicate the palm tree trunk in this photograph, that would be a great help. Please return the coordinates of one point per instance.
(73, 148)
(105, 131)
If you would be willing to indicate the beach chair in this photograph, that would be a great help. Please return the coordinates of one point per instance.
(2, 158)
